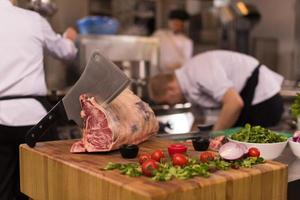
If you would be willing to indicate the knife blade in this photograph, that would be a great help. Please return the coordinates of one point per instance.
(186, 136)
(101, 79)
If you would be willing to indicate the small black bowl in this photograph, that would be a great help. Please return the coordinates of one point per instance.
(200, 144)
(129, 150)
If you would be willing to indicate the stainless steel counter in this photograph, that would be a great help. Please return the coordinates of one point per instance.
(293, 163)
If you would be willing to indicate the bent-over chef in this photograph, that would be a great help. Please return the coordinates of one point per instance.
(245, 90)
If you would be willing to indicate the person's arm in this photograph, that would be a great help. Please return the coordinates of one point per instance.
(232, 104)
(58, 46)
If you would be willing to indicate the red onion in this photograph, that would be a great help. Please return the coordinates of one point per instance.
(296, 139)
(297, 134)
(232, 151)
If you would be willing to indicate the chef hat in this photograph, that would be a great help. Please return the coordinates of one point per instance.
(179, 14)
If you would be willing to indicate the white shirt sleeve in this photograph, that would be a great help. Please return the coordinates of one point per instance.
(55, 44)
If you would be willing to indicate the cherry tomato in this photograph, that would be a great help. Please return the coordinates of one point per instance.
(253, 152)
(157, 155)
(207, 156)
(144, 157)
(179, 160)
(148, 167)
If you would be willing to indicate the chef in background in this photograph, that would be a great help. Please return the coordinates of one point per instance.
(245, 90)
(24, 36)
(175, 47)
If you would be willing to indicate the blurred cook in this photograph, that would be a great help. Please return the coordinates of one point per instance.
(175, 47)
(245, 90)
(24, 36)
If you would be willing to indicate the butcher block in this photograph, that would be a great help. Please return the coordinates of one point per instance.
(50, 171)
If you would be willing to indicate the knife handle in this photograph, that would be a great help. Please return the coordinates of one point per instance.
(33, 135)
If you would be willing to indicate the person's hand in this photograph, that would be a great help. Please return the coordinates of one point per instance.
(174, 66)
(70, 34)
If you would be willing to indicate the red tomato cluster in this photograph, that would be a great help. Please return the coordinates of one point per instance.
(149, 162)
(144, 157)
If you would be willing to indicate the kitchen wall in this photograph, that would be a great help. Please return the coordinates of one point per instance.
(279, 22)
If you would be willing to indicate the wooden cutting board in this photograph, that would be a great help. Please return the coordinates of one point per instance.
(50, 171)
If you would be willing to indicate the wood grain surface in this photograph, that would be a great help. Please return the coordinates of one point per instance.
(50, 172)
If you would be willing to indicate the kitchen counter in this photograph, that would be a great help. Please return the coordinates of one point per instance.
(50, 171)
(286, 157)
(293, 163)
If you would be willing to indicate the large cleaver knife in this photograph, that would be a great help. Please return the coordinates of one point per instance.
(101, 78)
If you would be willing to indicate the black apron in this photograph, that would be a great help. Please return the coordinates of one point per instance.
(10, 138)
(247, 95)
(267, 113)
(42, 99)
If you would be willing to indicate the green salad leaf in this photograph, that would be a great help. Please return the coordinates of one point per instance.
(295, 107)
(257, 134)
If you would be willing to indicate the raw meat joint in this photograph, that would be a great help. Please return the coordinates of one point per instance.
(126, 120)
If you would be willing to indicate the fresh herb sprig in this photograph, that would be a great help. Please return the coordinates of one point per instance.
(167, 171)
(130, 169)
(250, 161)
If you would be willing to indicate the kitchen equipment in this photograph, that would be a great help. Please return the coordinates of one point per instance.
(50, 170)
(238, 19)
(176, 119)
(200, 144)
(139, 73)
(99, 25)
(136, 56)
(129, 150)
(118, 48)
(101, 78)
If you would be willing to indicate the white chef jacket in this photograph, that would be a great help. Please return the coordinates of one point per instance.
(174, 48)
(205, 78)
(23, 37)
